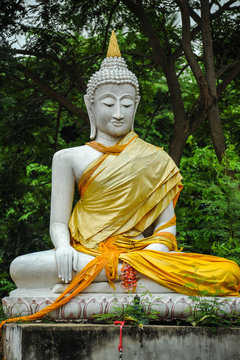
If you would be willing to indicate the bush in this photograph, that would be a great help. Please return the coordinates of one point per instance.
(209, 207)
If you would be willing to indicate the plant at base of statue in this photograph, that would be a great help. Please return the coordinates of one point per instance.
(209, 312)
(208, 309)
(137, 312)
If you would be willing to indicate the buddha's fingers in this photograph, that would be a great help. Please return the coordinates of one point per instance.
(64, 257)
(75, 260)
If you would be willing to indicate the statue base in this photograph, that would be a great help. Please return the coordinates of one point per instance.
(99, 298)
(95, 342)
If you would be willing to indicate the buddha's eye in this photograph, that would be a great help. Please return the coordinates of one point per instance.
(108, 102)
(127, 103)
(108, 105)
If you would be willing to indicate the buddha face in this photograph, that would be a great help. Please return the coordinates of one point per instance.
(114, 108)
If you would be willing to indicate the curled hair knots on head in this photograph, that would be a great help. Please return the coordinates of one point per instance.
(113, 70)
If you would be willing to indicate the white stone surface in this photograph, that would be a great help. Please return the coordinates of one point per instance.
(144, 285)
(111, 116)
(83, 306)
(12, 345)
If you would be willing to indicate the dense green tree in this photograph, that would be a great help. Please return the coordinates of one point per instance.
(186, 56)
(58, 60)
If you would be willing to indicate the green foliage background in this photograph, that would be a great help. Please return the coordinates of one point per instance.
(33, 127)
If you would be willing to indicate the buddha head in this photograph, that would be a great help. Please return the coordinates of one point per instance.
(112, 95)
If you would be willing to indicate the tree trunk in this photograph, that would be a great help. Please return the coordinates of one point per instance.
(181, 124)
(178, 142)
(215, 124)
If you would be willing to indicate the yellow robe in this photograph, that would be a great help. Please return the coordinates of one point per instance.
(122, 193)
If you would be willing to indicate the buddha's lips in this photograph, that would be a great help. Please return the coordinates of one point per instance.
(117, 123)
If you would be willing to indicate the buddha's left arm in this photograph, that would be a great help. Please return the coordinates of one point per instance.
(166, 216)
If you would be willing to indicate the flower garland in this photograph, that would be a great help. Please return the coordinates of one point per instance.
(128, 278)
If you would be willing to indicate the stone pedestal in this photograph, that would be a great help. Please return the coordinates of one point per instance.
(99, 298)
(98, 342)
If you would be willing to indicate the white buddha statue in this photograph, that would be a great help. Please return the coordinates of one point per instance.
(111, 100)
(126, 186)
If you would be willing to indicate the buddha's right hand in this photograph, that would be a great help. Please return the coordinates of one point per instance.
(67, 259)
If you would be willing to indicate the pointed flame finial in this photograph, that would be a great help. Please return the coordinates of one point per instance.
(113, 48)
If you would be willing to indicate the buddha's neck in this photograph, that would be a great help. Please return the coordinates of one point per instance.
(107, 140)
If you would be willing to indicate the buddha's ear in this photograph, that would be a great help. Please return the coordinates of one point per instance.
(90, 110)
(136, 106)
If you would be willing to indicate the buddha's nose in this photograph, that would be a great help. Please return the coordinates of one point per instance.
(117, 112)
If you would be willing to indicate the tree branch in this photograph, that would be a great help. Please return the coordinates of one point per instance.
(208, 55)
(71, 70)
(198, 114)
(154, 113)
(194, 15)
(52, 94)
(221, 10)
(186, 45)
(178, 52)
(214, 119)
(137, 53)
(158, 51)
(225, 68)
(165, 34)
(231, 76)
(168, 66)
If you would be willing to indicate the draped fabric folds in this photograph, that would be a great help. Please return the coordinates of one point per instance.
(122, 193)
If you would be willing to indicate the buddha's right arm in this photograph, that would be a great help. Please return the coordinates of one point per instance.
(61, 207)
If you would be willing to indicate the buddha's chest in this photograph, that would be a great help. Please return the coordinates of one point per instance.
(82, 160)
